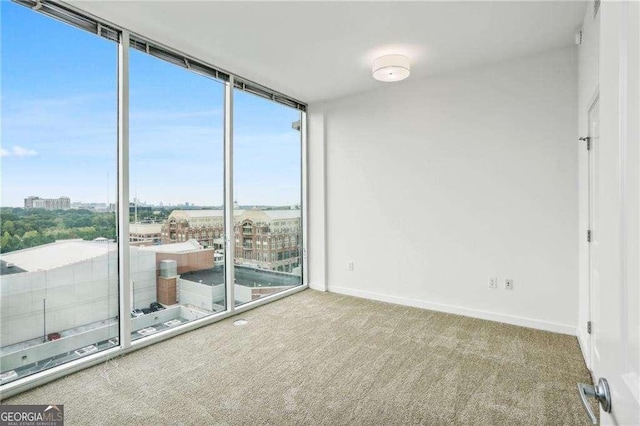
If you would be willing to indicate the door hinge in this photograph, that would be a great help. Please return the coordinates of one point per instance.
(589, 327)
(589, 235)
(586, 139)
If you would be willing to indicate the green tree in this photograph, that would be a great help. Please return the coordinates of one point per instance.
(8, 226)
(5, 242)
(32, 239)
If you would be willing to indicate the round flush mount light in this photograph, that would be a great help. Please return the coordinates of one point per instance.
(391, 68)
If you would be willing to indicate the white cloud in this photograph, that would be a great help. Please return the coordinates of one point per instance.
(17, 151)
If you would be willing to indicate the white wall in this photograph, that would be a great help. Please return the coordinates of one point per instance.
(316, 173)
(201, 295)
(435, 185)
(588, 60)
(31, 354)
(143, 278)
(77, 294)
(242, 293)
(21, 356)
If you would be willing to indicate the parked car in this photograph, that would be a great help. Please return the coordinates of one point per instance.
(53, 336)
(137, 313)
(86, 350)
(155, 306)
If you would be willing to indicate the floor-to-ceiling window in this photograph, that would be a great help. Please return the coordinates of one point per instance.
(176, 185)
(117, 211)
(59, 261)
(267, 194)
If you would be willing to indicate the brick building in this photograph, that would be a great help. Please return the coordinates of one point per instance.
(267, 239)
(205, 226)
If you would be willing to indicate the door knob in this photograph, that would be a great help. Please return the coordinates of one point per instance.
(600, 392)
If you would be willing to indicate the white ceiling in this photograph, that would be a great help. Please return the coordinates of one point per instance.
(315, 51)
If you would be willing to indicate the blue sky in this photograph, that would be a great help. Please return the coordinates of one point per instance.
(59, 135)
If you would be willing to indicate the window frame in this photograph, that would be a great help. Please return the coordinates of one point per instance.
(125, 39)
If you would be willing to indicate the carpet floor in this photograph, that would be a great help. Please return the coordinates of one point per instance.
(326, 359)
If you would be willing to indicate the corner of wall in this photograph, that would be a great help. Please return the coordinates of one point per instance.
(316, 197)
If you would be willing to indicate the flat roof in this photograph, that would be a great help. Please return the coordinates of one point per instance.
(197, 213)
(270, 214)
(5, 269)
(145, 228)
(283, 214)
(248, 277)
(59, 253)
(187, 246)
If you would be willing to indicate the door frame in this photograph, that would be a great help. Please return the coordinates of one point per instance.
(584, 338)
(595, 99)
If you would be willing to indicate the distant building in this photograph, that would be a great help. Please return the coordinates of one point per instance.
(70, 288)
(96, 207)
(28, 202)
(173, 260)
(205, 226)
(145, 234)
(62, 203)
(189, 256)
(266, 239)
(78, 279)
(133, 209)
(269, 239)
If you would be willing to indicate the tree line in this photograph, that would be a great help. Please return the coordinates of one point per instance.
(22, 228)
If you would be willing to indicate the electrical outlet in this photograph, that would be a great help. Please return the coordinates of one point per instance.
(350, 266)
(508, 284)
(493, 282)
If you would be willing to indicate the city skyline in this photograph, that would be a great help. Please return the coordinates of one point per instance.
(59, 125)
(143, 203)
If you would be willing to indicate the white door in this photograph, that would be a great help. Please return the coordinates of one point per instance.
(616, 216)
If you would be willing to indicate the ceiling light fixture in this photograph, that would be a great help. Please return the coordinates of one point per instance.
(390, 68)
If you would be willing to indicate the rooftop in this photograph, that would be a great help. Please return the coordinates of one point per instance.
(9, 268)
(187, 246)
(145, 228)
(248, 277)
(60, 253)
(190, 214)
(273, 214)
(249, 214)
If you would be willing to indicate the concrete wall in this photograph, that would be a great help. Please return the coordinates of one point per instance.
(243, 294)
(76, 295)
(157, 317)
(435, 185)
(201, 295)
(143, 277)
(44, 350)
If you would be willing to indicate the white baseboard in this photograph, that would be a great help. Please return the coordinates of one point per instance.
(468, 312)
(318, 286)
(584, 348)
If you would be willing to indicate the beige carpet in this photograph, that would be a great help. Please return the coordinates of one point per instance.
(325, 359)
